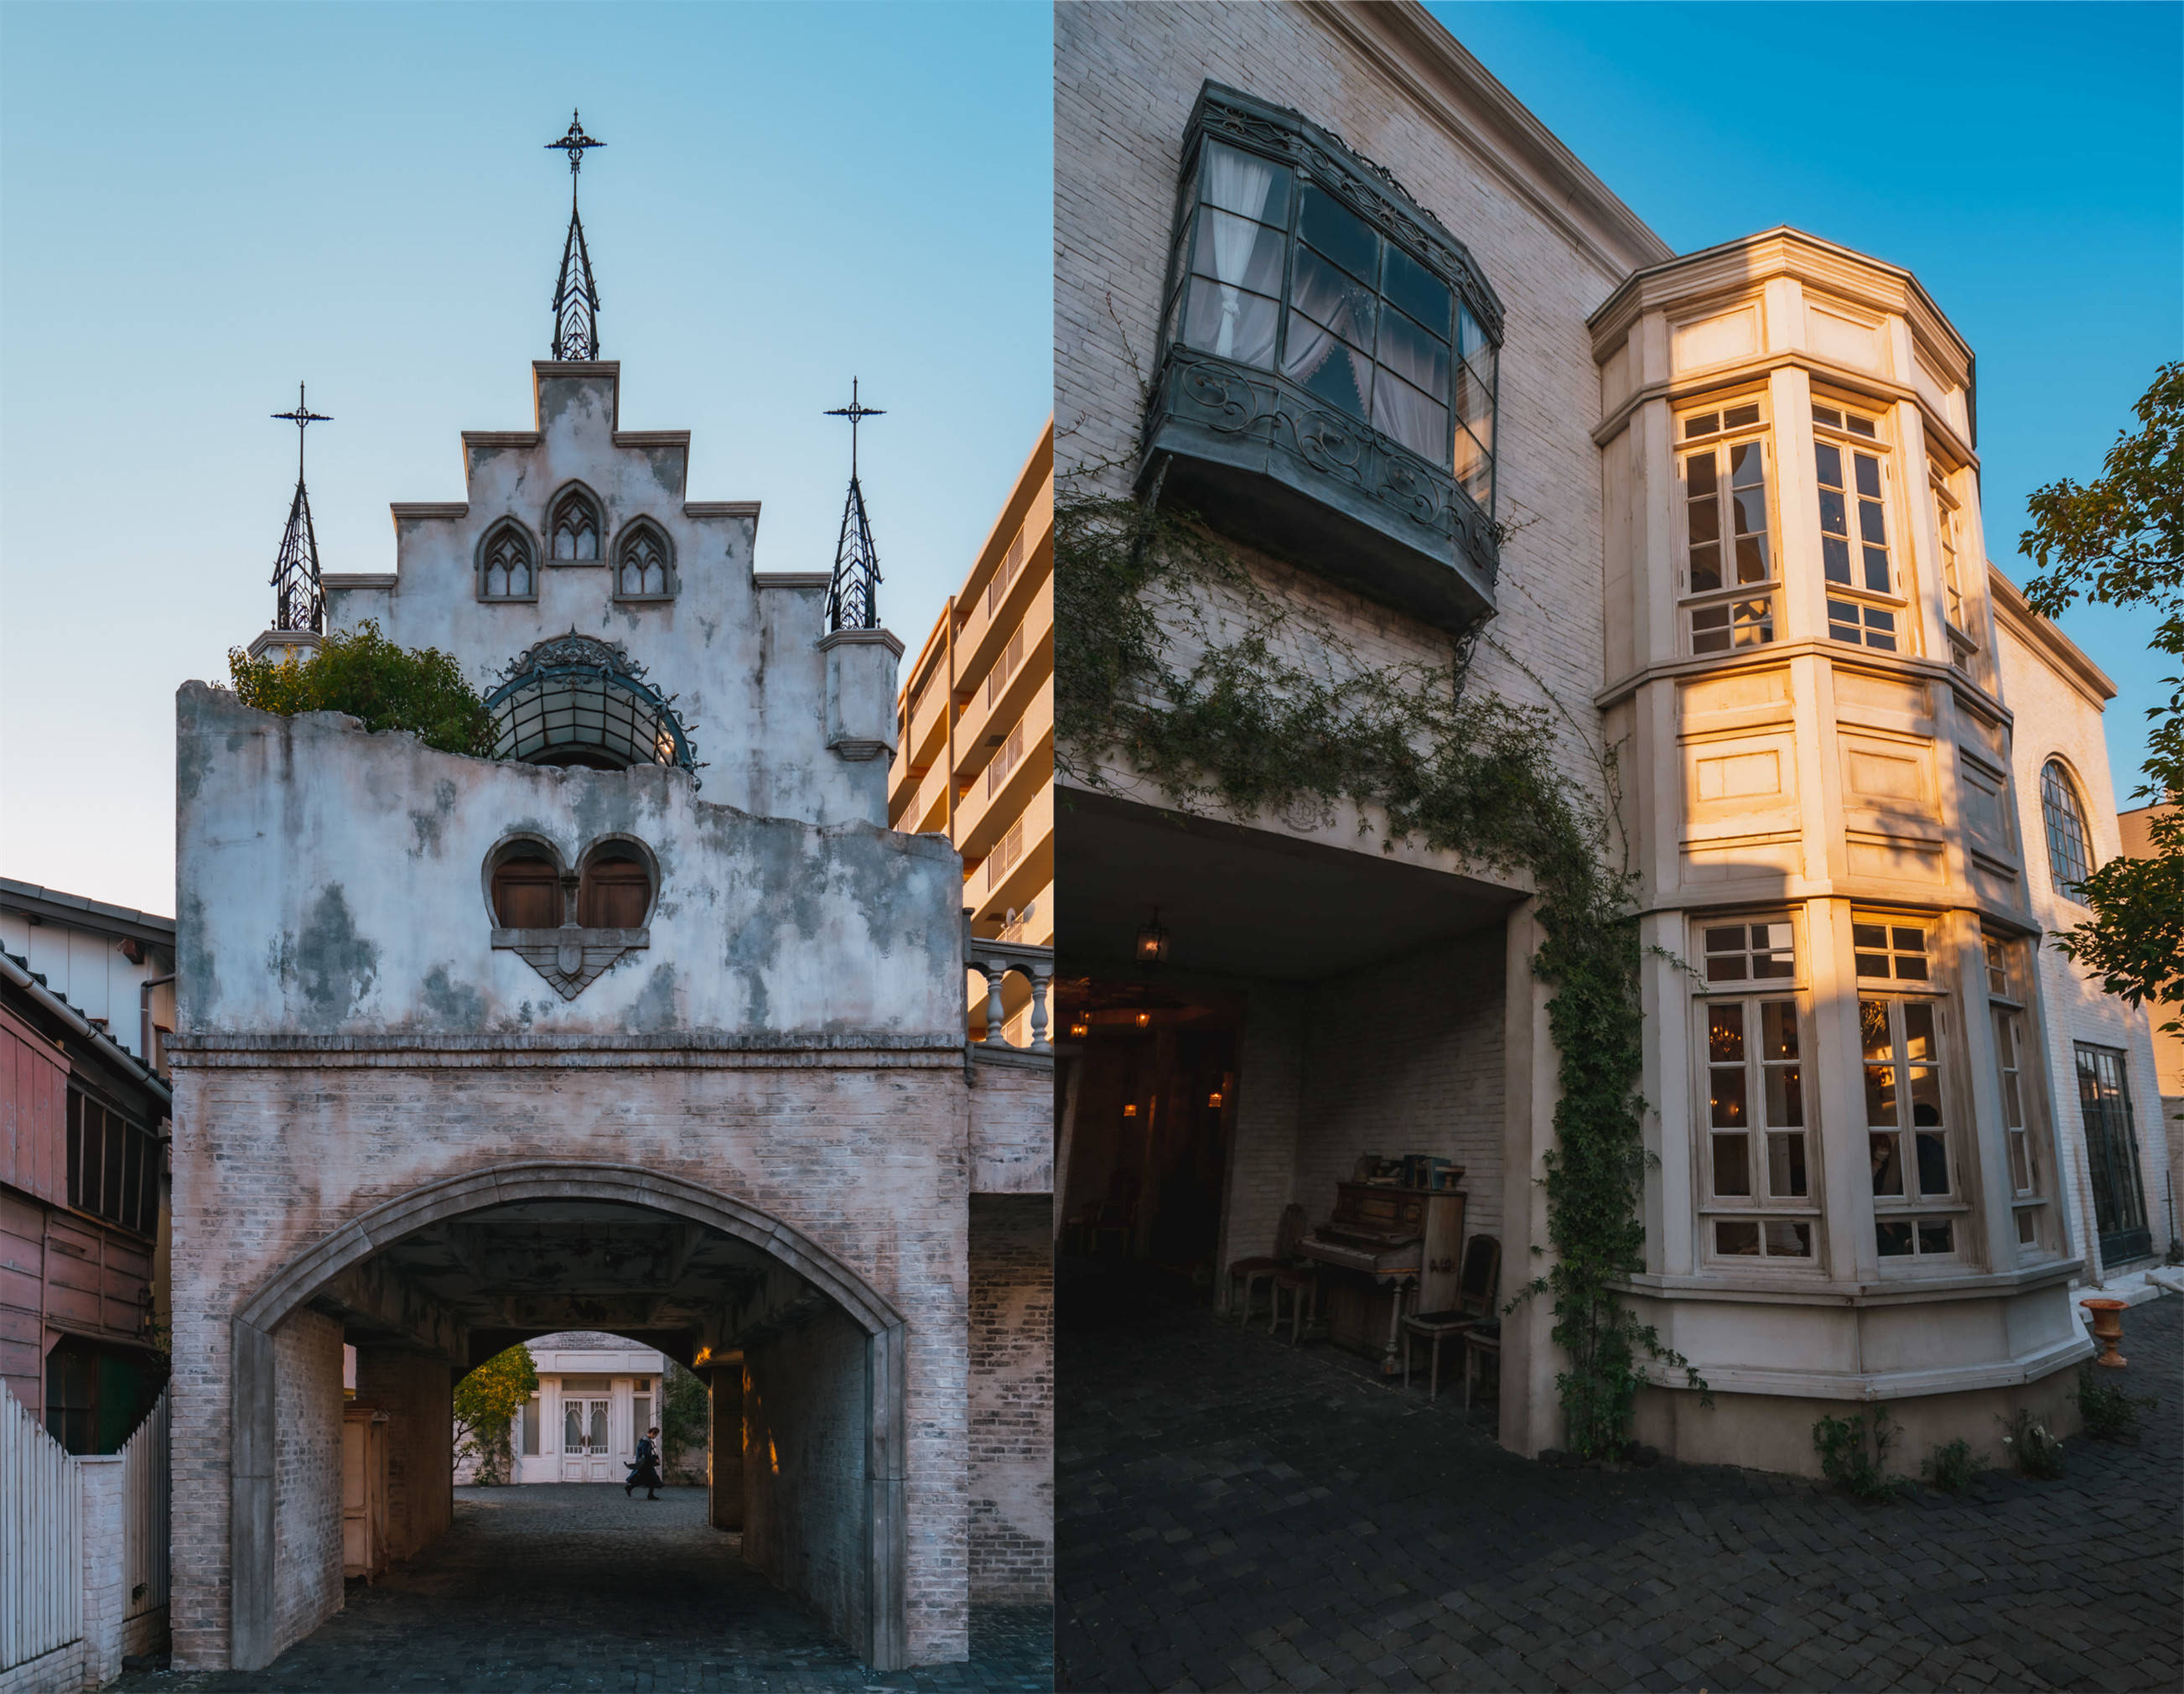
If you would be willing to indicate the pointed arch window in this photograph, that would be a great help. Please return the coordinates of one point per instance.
(644, 563)
(573, 530)
(506, 565)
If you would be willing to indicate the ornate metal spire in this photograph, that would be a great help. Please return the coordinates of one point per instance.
(853, 601)
(299, 601)
(576, 295)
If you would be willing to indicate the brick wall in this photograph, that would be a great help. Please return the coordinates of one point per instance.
(1406, 1058)
(1012, 1409)
(868, 1161)
(1261, 1173)
(306, 1460)
(804, 1486)
(1126, 81)
(417, 1394)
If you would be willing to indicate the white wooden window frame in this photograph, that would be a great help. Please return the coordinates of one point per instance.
(1854, 605)
(1776, 1222)
(1753, 609)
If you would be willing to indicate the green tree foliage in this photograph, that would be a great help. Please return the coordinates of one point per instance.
(686, 1413)
(364, 674)
(2119, 541)
(1172, 664)
(486, 1402)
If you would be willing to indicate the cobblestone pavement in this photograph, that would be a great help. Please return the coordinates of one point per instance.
(574, 1587)
(1236, 1514)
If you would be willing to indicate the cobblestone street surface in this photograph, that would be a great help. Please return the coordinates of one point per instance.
(1236, 1514)
(574, 1587)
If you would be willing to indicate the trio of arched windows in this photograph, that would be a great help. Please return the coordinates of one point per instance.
(644, 558)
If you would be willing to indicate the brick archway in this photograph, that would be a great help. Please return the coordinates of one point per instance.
(885, 1643)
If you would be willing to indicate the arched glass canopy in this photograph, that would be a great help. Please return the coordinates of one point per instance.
(576, 700)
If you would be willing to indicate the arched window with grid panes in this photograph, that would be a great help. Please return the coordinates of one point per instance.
(574, 527)
(507, 566)
(644, 562)
(2069, 852)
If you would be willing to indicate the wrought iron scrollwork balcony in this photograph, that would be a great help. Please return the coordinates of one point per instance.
(1266, 462)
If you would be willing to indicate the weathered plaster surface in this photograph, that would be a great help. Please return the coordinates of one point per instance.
(742, 657)
(348, 874)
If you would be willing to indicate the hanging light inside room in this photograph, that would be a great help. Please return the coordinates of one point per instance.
(1152, 942)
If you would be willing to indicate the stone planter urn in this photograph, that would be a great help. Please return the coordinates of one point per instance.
(2108, 1330)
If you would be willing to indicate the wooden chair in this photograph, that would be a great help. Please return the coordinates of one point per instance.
(1482, 1342)
(1287, 1234)
(1478, 1285)
(1300, 1279)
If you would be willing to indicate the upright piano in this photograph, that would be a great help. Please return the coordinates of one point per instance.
(1381, 1244)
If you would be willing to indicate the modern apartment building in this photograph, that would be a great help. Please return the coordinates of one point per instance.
(974, 752)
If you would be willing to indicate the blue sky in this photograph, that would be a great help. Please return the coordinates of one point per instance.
(2026, 162)
(200, 204)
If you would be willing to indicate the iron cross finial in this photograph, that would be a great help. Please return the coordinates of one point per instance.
(574, 142)
(856, 413)
(302, 417)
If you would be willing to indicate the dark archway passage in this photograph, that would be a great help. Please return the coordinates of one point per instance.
(803, 1359)
(569, 1587)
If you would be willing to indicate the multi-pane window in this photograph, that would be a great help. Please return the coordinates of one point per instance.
(1946, 531)
(1887, 951)
(1854, 545)
(1907, 1132)
(641, 571)
(575, 529)
(2069, 862)
(1274, 270)
(113, 1165)
(2024, 1153)
(1728, 568)
(505, 569)
(2112, 1153)
(1757, 1156)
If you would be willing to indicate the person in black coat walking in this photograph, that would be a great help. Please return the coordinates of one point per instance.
(645, 1473)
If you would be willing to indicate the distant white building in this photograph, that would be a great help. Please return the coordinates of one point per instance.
(597, 1394)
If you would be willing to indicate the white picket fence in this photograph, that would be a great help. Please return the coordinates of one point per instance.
(40, 1544)
(145, 1508)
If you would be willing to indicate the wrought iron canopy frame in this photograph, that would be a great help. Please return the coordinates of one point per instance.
(1272, 463)
(574, 693)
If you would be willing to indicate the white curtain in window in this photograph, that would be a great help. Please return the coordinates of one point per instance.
(1413, 418)
(1320, 293)
(1241, 183)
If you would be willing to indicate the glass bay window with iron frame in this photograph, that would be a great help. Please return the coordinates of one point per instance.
(1272, 270)
(1328, 358)
(1760, 1182)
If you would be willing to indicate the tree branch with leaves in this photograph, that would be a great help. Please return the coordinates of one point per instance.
(2119, 540)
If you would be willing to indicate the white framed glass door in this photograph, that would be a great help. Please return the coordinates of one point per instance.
(587, 1450)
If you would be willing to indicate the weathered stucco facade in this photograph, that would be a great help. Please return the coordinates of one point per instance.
(723, 1107)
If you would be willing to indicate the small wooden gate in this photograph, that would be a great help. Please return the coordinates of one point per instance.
(145, 1508)
(40, 1545)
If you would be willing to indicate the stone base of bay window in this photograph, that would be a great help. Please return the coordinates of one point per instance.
(1945, 1363)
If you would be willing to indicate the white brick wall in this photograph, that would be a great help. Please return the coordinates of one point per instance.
(307, 1462)
(2056, 721)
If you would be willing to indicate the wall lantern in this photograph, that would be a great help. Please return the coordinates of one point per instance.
(1144, 1018)
(1213, 1100)
(1152, 942)
(1079, 1028)
(1131, 1109)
